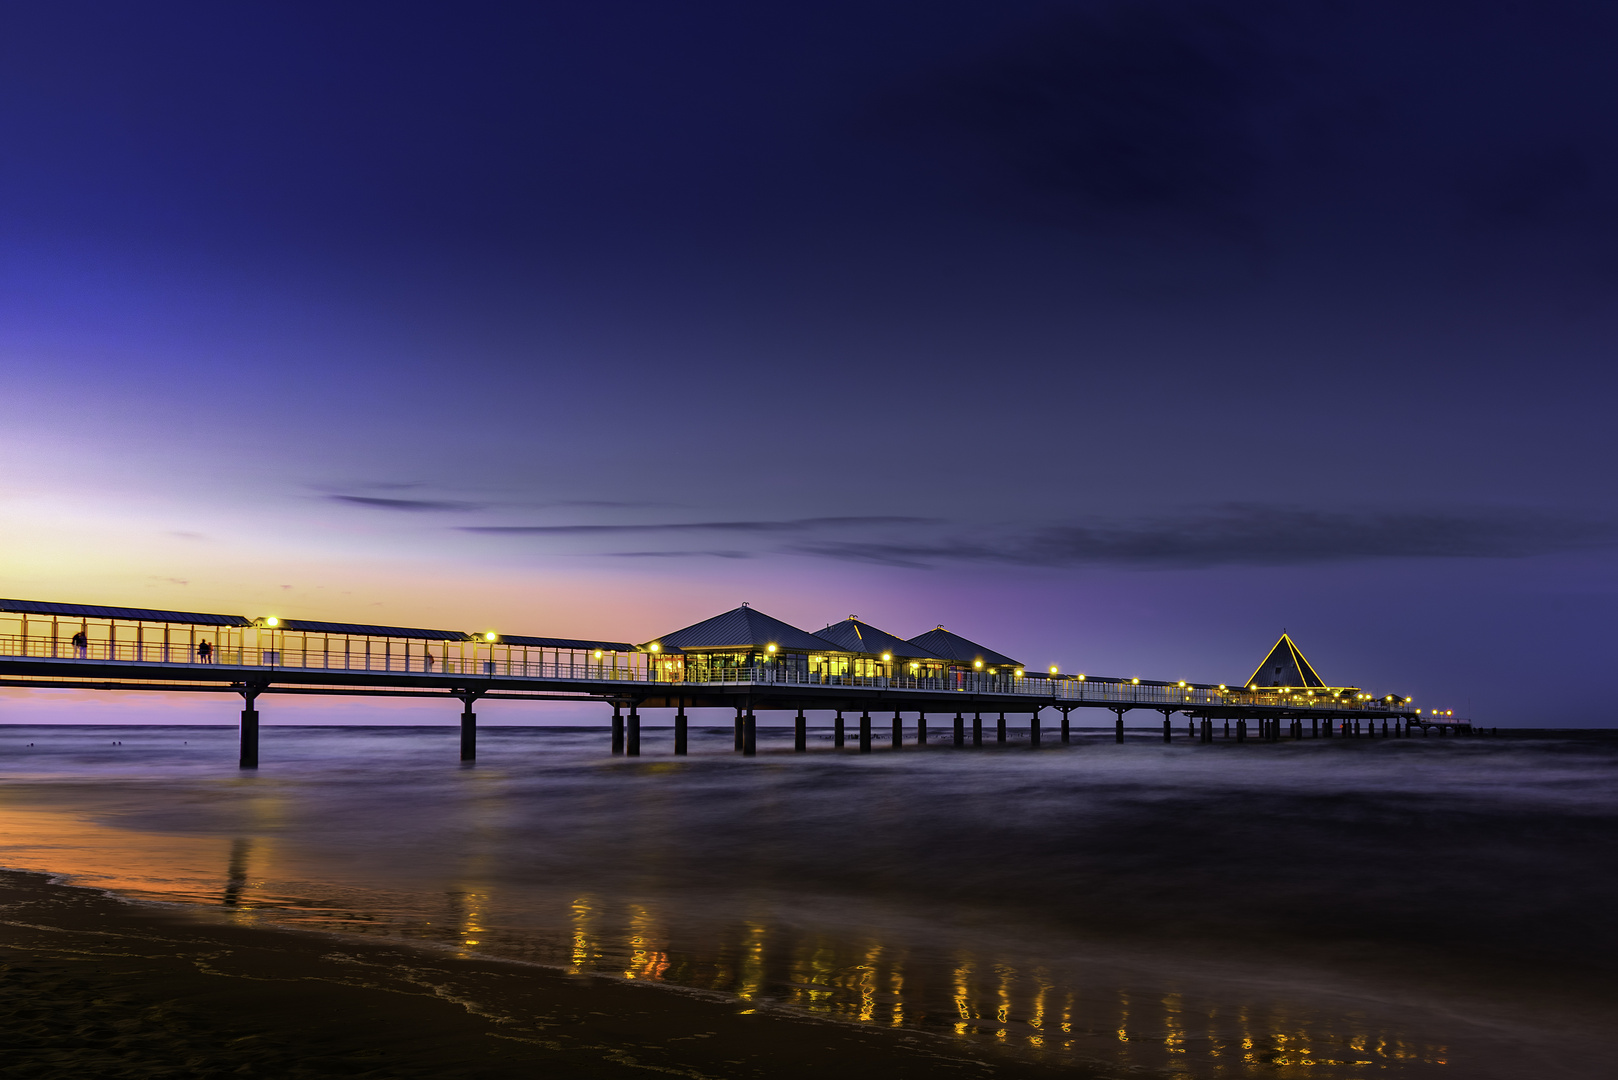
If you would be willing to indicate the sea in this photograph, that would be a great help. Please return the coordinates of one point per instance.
(1405, 907)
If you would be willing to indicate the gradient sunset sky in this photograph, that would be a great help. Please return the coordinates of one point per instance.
(1119, 336)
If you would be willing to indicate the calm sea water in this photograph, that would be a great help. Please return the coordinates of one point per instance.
(1326, 908)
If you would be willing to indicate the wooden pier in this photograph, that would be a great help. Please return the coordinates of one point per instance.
(741, 660)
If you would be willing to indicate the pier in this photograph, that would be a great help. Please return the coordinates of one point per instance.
(741, 660)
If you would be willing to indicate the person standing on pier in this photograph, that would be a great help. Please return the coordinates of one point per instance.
(81, 645)
(205, 652)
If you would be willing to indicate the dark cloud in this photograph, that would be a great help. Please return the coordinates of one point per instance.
(681, 554)
(799, 525)
(1130, 109)
(1245, 535)
(407, 505)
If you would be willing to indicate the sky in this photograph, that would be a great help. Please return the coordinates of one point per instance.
(1116, 336)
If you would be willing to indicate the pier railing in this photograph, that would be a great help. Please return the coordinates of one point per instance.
(641, 668)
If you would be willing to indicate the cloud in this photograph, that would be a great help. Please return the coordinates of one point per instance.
(1248, 535)
(407, 505)
(681, 554)
(799, 525)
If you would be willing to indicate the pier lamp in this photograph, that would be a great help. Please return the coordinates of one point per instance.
(1018, 673)
(886, 657)
(770, 648)
(598, 654)
(978, 664)
(1081, 676)
(1134, 682)
(1053, 669)
(272, 621)
(1221, 686)
(1182, 684)
(656, 646)
(490, 636)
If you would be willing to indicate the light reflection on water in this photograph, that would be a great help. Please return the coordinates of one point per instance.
(999, 897)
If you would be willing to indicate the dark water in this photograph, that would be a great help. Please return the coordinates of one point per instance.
(1326, 908)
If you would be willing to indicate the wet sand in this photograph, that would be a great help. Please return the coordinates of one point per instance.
(91, 986)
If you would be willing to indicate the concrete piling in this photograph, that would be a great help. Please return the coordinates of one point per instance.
(632, 744)
(681, 731)
(865, 732)
(800, 733)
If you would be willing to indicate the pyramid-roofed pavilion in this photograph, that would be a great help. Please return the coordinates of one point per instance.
(743, 628)
(955, 647)
(1286, 667)
(852, 635)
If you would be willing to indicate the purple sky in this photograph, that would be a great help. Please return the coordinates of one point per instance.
(1119, 336)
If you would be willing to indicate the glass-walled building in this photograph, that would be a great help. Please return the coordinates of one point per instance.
(741, 644)
(874, 653)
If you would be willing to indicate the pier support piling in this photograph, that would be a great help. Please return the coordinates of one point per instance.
(632, 744)
(681, 732)
(1033, 730)
(898, 729)
(1168, 733)
(960, 730)
(740, 736)
(977, 729)
(800, 733)
(749, 734)
(469, 729)
(248, 735)
(1118, 728)
(1067, 729)
(617, 730)
(865, 732)
(838, 737)
(921, 728)
(1000, 730)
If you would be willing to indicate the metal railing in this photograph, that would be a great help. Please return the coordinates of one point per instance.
(632, 667)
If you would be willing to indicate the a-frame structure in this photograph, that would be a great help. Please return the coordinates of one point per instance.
(1287, 669)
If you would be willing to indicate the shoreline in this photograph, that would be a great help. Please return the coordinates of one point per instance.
(92, 984)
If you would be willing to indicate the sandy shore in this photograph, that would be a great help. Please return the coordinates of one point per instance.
(91, 986)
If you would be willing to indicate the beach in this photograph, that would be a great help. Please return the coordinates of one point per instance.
(366, 906)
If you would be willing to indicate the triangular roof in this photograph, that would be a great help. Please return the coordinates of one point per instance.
(1285, 666)
(744, 628)
(851, 635)
(955, 647)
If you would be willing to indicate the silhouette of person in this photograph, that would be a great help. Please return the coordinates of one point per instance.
(81, 645)
(428, 665)
(205, 653)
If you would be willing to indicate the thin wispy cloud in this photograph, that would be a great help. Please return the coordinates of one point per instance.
(406, 505)
(797, 525)
(1248, 535)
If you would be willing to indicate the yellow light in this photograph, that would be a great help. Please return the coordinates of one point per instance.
(1251, 686)
(272, 621)
(1081, 676)
(885, 656)
(1053, 669)
(656, 646)
(1135, 681)
(770, 648)
(1221, 686)
(1019, 673)
(977, 663)
(1182, 682)
(598, 654)
(489, 636)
